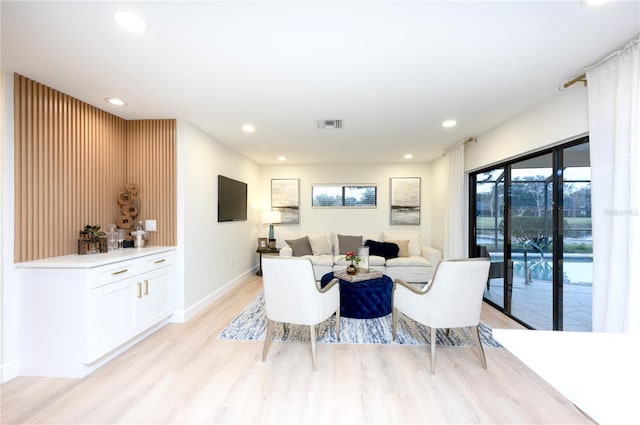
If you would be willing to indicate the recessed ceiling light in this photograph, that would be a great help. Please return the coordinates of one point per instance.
(449, 123)
(129, 21)
(115, 101)
(282, 158)
(408, 156)
(248, 128)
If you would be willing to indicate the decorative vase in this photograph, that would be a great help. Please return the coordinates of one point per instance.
(351, 269)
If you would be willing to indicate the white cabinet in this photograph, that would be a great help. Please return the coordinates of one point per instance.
(78, 313)
(112, 317)
(154, 298)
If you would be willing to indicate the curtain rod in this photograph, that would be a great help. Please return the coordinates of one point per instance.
(583, 77)
(462, 142)
(580, 78)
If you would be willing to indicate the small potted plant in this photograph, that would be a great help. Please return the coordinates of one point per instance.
(92, 239)
(355, 260)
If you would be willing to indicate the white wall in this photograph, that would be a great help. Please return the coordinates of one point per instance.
(9, 365)
(351, 221)
(212, 256)
(558, 119)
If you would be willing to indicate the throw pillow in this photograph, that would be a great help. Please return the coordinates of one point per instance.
(382, 249)
(349, 243)
(403, 248)
(300, 246)
(320, 245)
(415, 246)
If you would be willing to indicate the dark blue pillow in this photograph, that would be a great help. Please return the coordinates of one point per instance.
(382, 249)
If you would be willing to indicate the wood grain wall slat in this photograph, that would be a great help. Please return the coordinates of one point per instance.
(151, 164)
(72, 160)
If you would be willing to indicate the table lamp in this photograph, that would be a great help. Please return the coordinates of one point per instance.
(271, 218)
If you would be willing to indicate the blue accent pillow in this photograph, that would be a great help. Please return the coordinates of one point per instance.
(382, 249)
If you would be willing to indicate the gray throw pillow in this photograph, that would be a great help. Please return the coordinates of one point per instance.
(349, 243)
(300, 246)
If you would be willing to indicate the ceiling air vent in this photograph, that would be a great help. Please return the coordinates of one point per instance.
(329, 124)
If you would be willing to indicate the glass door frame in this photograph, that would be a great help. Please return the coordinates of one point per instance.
(557, 227)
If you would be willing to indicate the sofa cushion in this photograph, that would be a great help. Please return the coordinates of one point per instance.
(376, 260)
(403, 248)
(320, 244)
(382, 249)
(300, 246)
(412, 237)
(410, 261)
(321, 260)
(348, 243)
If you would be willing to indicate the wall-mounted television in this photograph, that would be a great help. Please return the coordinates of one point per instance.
(232, 199)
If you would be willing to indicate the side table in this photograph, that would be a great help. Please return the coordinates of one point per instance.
(265, 251)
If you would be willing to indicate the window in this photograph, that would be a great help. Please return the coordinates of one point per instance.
(340, 196)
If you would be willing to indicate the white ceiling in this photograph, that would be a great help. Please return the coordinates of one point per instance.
(393, 71)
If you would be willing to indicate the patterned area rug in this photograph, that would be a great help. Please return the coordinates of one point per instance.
(251, 325)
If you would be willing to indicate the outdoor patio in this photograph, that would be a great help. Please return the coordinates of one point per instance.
(531, 303)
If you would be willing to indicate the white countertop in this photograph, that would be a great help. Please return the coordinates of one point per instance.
(598, 372)
(92, 260)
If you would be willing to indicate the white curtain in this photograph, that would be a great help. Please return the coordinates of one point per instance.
(614, 134)
(454, 231)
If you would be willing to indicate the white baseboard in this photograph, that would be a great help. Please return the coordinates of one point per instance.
(182, 316)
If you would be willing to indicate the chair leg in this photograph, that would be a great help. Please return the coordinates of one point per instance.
(338, 323)
(433, 350)
(267, 339)
(312, 337)
(476, 338)
(394, 322)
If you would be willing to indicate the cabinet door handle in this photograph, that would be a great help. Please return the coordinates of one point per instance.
(146, 287)
(119, 272)
(162, 260)
(139, 289)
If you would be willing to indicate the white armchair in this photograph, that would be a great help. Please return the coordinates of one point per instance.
(452, 299)
(292, 295)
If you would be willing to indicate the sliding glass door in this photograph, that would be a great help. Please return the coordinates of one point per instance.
(489, 233)
(530, 213)
(577, 241)
(532, 218)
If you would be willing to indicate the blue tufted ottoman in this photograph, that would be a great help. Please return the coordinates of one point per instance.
(363, 300)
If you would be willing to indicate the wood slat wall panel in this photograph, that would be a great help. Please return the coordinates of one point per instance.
(151, 163)
(71, 161)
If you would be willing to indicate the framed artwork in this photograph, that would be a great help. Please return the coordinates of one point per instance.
(405, 200)
(262, 243)
(285, 197)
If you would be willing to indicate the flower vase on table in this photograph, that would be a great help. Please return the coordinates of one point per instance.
(353, 267)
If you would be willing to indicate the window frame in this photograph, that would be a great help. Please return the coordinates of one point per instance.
(343, 189)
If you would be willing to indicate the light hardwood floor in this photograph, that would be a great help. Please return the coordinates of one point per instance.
(184, 374)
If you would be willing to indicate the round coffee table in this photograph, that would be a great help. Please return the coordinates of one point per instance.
(366, 299)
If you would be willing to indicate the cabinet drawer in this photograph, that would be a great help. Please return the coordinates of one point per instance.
(113, 273)
(154, 262)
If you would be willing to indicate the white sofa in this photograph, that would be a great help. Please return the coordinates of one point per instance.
(415, 263)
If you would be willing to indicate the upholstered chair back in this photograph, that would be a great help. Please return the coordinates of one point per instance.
(454, 296)
(291, 293)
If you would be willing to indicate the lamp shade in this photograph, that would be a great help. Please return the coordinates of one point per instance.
(271, 217)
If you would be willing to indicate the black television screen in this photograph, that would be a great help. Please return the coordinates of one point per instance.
(232, 199)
